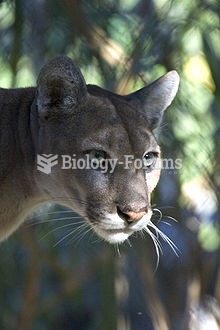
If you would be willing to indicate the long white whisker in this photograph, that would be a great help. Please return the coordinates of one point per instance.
(156, 243)
(96, 237)
(171, 218)
(165, 238)
(84, 234)
(129, 242)
(163, 207)
(37, 222)
(164, 216)
(166, 223)
(160, 213)
(43, 214)
(117, 249)
(69, 234)
(79, 231)
(63, 238)
(60, 227)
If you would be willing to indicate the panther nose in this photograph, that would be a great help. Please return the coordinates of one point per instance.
(135, 216)
(131, 216)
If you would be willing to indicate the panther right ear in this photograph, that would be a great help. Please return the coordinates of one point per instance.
(60, 87)
(156, 97)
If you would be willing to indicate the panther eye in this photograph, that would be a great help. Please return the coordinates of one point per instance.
(97, 155)
(149, 159)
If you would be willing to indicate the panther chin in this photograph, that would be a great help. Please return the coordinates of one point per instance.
(114, 229)
(113, 236)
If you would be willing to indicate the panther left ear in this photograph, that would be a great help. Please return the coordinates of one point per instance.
(60, 87)
(156, 97)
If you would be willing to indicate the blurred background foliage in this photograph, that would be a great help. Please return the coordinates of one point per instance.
(52, 279)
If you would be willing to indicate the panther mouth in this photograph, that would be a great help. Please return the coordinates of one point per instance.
(113, 236)
(114, 229)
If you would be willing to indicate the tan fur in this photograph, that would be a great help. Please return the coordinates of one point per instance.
(64, 116)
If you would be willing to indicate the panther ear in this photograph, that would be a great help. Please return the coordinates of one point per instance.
(157, 96)
(60, 87)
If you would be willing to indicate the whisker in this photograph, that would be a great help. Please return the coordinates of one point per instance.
(129, 242)
(80, 230)
(171, 218)
(160, 213)
(166, 223)
(117, 249)
(37, 222)
(165, 238)
(59, 227)
(83, 235)
(97, 238)
(70, 233)
(59, 199)
(165, 207)
(43, 214)
(156, 243)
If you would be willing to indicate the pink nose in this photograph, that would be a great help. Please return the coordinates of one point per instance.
(135, 216)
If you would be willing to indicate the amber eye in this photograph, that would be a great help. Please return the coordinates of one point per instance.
(149, 159)
(97, 155)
